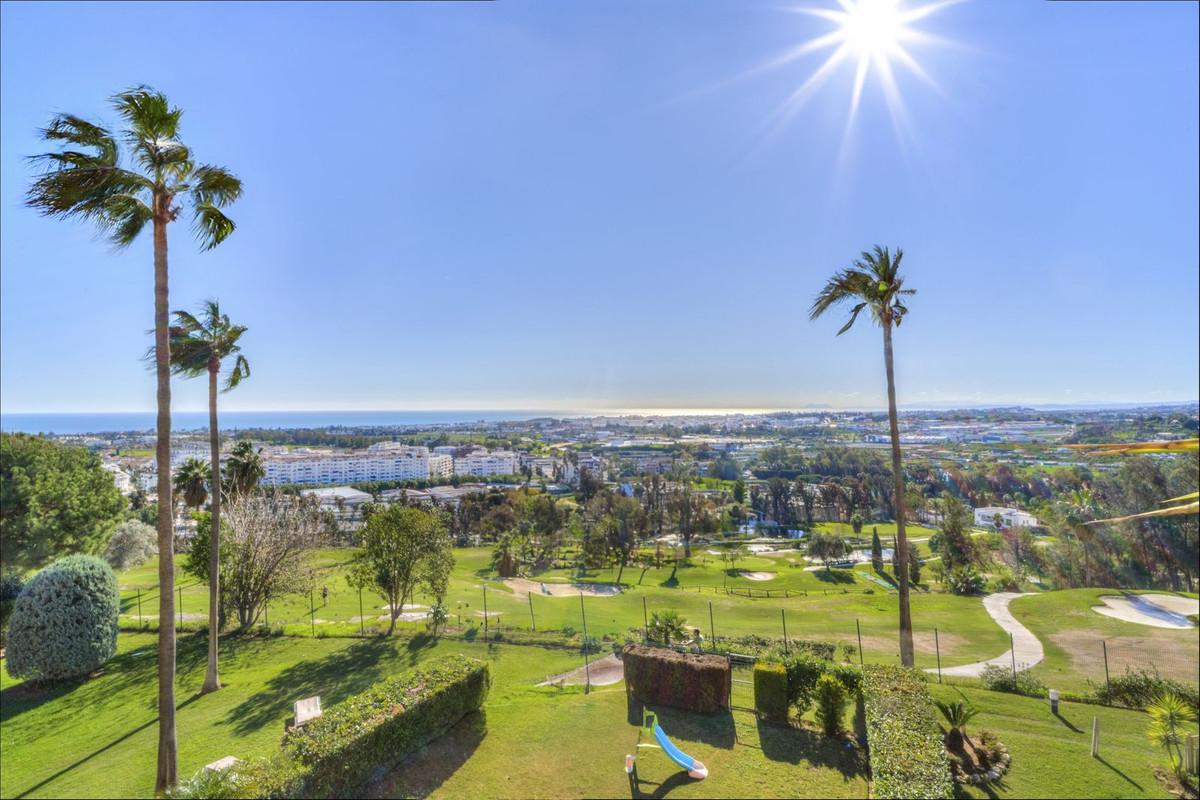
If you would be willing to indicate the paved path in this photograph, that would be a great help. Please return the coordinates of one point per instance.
(1028, 649)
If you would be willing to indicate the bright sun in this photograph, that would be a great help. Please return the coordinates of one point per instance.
(873, 35)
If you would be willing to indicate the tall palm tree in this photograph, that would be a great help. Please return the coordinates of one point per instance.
(244, 468)
(873, 283)
(200, 346)
(87, 177)
(191, 482)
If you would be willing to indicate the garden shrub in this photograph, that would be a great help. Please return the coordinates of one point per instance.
(680, 680)
(64, 622)
(342, 748)
(1000, 679)
(336, 754)
(831, 704)
(771, 691)
(1138, 688)
(803, 671)
(908, 757)
(132, 543)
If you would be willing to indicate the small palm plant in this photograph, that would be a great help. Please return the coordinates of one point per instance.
(1170, 715)
(191, 482)
(957, 715)
(667, 627)
(244, 469)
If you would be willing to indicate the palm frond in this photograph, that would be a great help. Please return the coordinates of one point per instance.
(240, 371)
(210, 225)
(1188, 496)
(1133, 448)
(1173, 511)
(216, 186)
(149, 116)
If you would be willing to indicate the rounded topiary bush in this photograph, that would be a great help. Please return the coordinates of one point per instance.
(64, 622)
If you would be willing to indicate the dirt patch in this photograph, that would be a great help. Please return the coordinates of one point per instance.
(923, 642)
(757, 576)
(605, 672)
(522, 587)
(1172, 655)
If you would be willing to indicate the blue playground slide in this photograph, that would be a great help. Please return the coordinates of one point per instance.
(695, 769)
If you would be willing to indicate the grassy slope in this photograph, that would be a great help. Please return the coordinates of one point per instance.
(1051, 756)
(1071, 634)
(98, 739)
(829, 611)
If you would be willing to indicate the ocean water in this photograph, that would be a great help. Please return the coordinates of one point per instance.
(74, 423)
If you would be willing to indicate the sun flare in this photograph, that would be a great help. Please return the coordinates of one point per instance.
(874, 36)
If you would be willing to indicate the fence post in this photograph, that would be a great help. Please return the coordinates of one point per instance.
(645, 621)
(485, 616)
(180, 592)
(711, 628)
(783, 616)
(312, 614)
(532, 621)
(1095, 737)
(1107, 684)
(937, 647)
(858, 628)
(587, 667)
(139, 591)
(361, 628)
(1012, 649)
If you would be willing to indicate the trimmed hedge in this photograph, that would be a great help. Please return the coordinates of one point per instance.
(908, 757)
(336, 754)
(680, 680)
(771, 691)
(63, 624)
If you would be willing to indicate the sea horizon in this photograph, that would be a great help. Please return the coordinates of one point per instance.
(84, 422)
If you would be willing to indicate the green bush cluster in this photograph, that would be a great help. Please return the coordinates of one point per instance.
(771, 691)
(64, 622)
(336, 754)
(1001, 679)
(1138, 688)
(831, 696)
(680, 680)
(908, 757)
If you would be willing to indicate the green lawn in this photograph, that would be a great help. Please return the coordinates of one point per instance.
(833, 602)
(1051, 756)
(97, 739)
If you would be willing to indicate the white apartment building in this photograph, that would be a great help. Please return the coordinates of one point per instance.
(441, 465)
(394, 462)
(445, 450)
(481, 462)
(1010, 517)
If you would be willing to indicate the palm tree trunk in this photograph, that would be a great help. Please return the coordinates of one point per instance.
(906, 636)
(212, 680)
(168, 757)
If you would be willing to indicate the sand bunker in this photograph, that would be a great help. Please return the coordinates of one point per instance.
(605, 672)
(1157, 610)
(523, 586)
(757, 576)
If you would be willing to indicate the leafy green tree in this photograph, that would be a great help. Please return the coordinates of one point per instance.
(874, 283)
(54, 501)
(87, 178)
(132, 543)
(914, 568)
(191, 482)
(243, 468)
(826, 546)
(739, 491)
(200, 346)
(856, 522)
(404, 547)
(876, 550)
(957, 548)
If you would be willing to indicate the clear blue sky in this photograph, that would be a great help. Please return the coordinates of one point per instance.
(562, 205)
